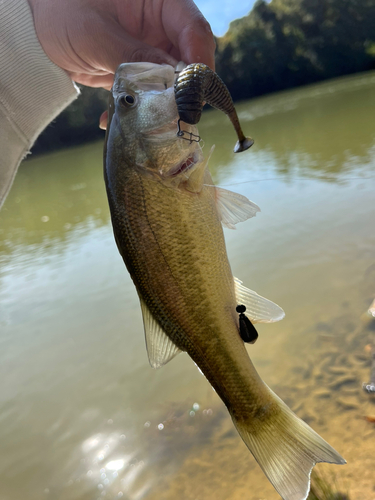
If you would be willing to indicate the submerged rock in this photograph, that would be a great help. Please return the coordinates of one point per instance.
(322, 393)
(337, 370)
(344, 380)
(348, 402)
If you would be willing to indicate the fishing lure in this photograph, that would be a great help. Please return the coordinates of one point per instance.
(197, 84)
(248, 332)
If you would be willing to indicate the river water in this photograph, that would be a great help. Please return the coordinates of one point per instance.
(82, 414)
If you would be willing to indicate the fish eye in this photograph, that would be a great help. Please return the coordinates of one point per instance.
(127, 100)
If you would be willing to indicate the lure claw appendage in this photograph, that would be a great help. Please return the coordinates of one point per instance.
(243, 145)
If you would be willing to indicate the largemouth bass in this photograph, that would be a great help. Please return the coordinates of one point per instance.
(167, 218)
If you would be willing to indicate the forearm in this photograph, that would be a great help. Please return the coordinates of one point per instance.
(33, 90)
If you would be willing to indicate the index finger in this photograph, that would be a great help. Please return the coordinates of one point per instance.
(189, 31)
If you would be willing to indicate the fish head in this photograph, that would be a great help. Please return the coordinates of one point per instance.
(143, 123)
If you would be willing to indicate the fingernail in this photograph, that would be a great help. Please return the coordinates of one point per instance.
(103, 120)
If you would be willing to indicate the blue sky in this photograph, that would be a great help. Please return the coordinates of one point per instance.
(219, 13)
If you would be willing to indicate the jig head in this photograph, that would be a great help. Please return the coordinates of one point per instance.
(247, 329)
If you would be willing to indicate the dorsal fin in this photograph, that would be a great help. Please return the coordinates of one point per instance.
(258, 309)
(160, 348)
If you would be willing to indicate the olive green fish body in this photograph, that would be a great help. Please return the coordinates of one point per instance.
(167, 218)
(173, 244)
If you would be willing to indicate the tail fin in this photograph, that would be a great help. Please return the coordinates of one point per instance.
(287, 449)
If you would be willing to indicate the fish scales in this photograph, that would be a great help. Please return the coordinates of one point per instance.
(197, 303)
(167, 218)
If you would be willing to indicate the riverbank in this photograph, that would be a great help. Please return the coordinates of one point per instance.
(279, 45)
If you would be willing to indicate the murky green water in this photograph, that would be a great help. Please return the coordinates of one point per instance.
(79, 404)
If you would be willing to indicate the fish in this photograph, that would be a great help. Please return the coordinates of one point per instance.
(168, 219)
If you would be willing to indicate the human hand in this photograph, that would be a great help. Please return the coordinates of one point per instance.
(90, 38)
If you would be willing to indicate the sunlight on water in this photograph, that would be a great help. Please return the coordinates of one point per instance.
(83, 416)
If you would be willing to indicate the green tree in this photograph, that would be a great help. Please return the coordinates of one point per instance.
(279, 45)
(79, 123)
(287, 43)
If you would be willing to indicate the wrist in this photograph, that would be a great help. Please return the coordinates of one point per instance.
(33, 89)
(41, 25)
(31, 84)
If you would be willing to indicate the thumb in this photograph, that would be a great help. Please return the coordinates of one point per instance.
(117, 46)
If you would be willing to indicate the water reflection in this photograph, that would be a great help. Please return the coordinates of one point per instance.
(54, 195)
(323, 131)
(116, 465)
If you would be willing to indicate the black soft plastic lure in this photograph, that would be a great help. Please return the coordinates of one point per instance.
(197, 84)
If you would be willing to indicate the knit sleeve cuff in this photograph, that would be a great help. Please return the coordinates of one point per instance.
(33, 90)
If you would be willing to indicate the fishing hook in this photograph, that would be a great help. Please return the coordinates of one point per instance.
(192, 137)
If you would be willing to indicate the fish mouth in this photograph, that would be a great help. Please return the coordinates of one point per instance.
(184, 166)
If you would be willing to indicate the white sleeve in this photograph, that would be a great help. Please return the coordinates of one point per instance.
(33, 90)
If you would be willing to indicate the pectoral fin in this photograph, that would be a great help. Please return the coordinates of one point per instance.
(160, 348)
(234, 207)
(258, 309)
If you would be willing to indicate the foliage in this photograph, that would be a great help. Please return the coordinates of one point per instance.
(287, 43)
(79, 123)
